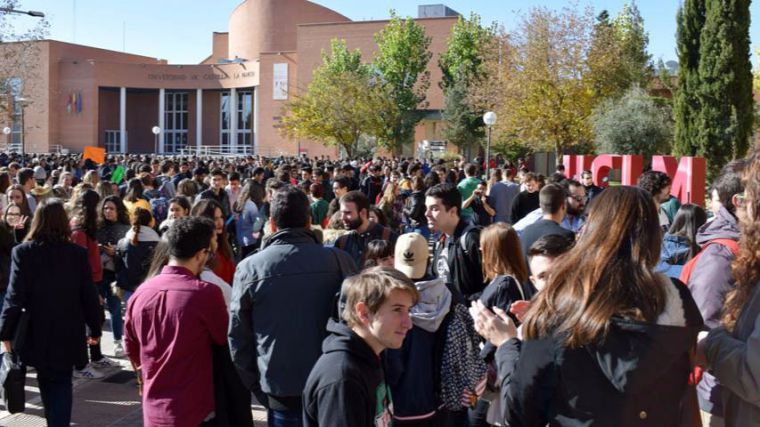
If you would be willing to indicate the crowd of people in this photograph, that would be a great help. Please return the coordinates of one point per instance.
(383, 291)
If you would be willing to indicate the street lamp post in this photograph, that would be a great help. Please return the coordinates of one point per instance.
(489, 119)
(7, 132)
(22, 102)
(156, 130)
(33, 13)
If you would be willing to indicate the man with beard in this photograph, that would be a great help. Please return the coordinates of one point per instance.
(658, 185)
(576, 204)
(354, 209)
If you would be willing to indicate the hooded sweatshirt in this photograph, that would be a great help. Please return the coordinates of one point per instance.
(346, 387)
(635, 376)
(413, 370)
(710, 281)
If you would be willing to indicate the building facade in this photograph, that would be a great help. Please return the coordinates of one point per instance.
(229, 103)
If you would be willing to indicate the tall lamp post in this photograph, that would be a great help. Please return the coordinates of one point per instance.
(489, 119)
(33, 13)
(156, 130)
(22, 102)
(7, 132)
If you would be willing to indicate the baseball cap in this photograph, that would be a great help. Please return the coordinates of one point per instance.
(411, 255)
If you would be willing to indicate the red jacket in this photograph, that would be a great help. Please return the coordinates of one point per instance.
(81, 238)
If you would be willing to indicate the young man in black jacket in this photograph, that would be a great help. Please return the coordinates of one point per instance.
(457, 252)
(347, 385)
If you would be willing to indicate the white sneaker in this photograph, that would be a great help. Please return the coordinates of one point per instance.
(118, 350)
(88, 373)
(105, 363)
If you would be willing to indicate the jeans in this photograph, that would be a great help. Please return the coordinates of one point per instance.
(57, 396)
(2, 300)
(127, 295)
(113, 304)
(477, 414)
(284, 418)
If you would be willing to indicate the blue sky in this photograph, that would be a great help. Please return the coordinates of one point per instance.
(180, 30)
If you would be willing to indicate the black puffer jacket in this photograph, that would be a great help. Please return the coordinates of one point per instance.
(636, 377)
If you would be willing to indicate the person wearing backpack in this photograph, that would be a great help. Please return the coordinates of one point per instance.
(457, 252)
(135, 251)
(709, 276)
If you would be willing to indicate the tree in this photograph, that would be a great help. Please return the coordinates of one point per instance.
(690, 19)
(632, 124)
(341, 103)
(636, 61)
(18, 54)
(618, 57)
(543, 101)
(724, 92)
(462, 65)
(401, 66)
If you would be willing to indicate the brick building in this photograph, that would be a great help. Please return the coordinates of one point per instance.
(85, 96)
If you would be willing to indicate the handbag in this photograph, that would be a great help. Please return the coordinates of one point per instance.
(13, 379)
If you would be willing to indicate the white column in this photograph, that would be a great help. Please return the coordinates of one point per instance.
(123, 119)
(255, 130)
(233, 120)
(161, 121)
(198, 118)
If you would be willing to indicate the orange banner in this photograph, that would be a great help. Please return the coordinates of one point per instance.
(96, 154)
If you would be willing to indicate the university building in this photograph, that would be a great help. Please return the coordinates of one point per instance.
(231, 102)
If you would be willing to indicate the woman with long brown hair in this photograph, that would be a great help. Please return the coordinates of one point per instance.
(504, 265)
(732, 350)
(50, 298)
(607, 341)
(224, 264)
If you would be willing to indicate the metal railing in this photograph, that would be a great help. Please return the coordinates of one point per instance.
(218, 150)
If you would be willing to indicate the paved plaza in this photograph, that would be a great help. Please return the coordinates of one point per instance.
(111, 401)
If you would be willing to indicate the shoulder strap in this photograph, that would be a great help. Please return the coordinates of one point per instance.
(688, 268)
(463, 238)
(731, 244)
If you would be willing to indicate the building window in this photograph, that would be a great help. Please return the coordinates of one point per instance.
(244, 122)
(113, 141)
(13, 87)
(175, 122)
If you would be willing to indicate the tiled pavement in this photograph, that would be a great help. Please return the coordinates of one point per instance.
(111, 401)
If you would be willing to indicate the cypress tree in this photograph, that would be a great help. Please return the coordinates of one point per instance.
(691, 19)
(743, 100)
(725, 116)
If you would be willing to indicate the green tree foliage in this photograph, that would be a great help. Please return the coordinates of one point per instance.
(725, 90)
(714, 105)
(462, 65)
(637, 62)
(618, 57)
(401, 65)
(341, 103)
(632, 124)
(691, 19)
